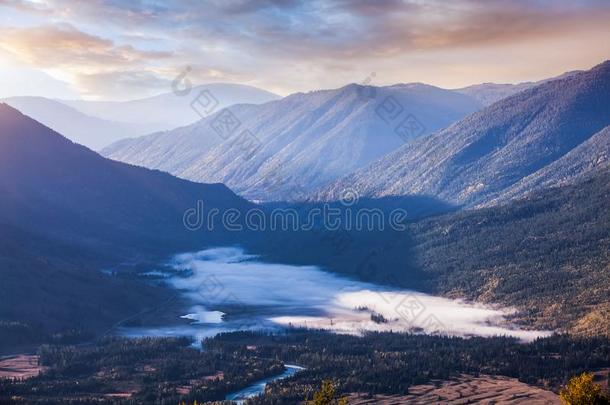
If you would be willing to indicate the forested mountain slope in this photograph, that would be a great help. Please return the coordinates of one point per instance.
(590, 156)
(482, 156)
(548, 255)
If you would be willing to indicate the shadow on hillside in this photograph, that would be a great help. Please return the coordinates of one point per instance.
(417, 206)
(382, 256)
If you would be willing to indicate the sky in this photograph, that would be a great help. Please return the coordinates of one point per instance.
(121, 50)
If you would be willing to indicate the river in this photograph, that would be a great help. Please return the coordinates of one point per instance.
(259, 386)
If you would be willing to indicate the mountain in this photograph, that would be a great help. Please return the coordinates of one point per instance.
(489, 93)
(482, 156)
(49, 286)
(66, 212)
(300, 142)
(97, 124)
(87, 130)
(50, 184)
(547, 255)
(588, 157)
(173, 109)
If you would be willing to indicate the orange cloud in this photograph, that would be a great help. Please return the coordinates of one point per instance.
(64, 46)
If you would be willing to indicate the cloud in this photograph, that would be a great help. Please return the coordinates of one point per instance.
(64, 46)
(121, 84)
(92, 64)
(26, 81)
(344, 27)
(294, 45)
(252, 6)
(356, 29)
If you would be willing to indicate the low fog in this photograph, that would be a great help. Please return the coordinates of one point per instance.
(232, 290)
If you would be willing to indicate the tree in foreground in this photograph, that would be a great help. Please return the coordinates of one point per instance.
(326, 395)
(581, 390)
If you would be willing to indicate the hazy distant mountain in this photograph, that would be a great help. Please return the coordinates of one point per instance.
(87, 130)
(487, 153)
(171, 110)
(489, 93)
(65, 211)
(300, 142)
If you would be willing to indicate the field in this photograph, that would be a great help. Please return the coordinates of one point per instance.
(20, 367)
(466, 389)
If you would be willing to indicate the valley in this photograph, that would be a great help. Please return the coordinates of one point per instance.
(314, 203)
(229, 291)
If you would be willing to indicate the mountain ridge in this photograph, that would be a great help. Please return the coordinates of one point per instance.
(93, 132)
(173, 109)
(489, 93)
(303, 140)
(488, 151)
